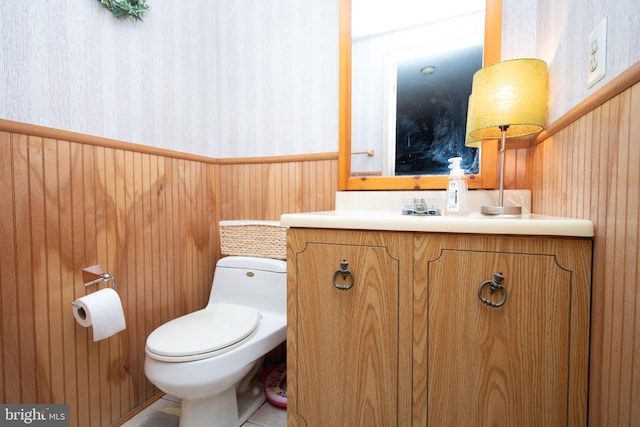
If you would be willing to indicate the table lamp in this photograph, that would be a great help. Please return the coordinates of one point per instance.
(508, 100)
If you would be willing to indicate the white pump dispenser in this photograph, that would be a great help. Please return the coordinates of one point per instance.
(457, 193)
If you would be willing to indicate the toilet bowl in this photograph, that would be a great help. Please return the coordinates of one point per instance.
(209, 357)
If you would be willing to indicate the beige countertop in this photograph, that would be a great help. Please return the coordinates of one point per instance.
(382, 211)
(525, 224)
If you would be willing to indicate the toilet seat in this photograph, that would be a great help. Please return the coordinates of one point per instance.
(203, 334)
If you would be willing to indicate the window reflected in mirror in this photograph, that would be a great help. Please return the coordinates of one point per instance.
(410, 86)
(432, 93)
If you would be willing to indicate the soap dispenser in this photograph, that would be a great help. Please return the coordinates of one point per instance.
(457, 193)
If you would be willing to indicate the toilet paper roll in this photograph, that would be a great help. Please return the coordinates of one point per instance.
(102, 310)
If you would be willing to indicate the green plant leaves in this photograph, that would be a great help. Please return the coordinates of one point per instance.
(132, 9)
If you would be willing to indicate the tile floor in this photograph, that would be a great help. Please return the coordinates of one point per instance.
(164, 412)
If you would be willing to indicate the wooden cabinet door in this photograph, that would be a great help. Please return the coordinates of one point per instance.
(349, 350)
(524, 363)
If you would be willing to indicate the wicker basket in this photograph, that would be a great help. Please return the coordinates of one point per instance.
(265, 239)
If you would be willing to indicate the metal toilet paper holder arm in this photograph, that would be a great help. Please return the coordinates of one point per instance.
(104, 277)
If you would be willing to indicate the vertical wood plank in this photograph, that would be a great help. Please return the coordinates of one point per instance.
(52, 216)
(111, 266)
(137, 213)
(24, 301)
(129, 291)
(162, 232)
(66, 279)
(80, 407)
(91, 253)
(121, 369)
(9, 357)
(100, 349)
(152, 218)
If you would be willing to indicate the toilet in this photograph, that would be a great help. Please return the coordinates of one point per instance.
(209, 358)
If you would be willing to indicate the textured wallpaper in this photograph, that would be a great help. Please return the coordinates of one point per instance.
(242, 78)
(276, 77)
(557, 31)
(219, 78)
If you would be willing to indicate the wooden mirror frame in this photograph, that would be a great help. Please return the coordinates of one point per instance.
(488, 176)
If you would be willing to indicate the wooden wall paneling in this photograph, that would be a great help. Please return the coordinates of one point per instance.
(266, 191)
(197, 201)
(589, 169)
(308, 203)
(172, 302)
(38, 285)
(632, 271)
(291, 191)
(79, 371)
(100, 351)
(614, 266)
(147, 218)
(153, 287)
(276, 188)
(284, 186)
(179, 305)
(230, 172)
(203, 225)
(510, 168)
(191, 292)
(145, 280)
(95, 243)
(9, 345)
(628, 188)
(240, 196)
(129, 273)
(119, 372)
(274, 192)
(66, 254)
(7, 263)
(24, 301)
(260, 189)
(138, 317)
(53, 358)
(162, 250)
(123, 376)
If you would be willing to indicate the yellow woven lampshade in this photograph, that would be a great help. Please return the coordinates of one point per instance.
(510, 93)
(471, 125)
(508, 99)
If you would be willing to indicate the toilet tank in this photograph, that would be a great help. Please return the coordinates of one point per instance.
(251, 281)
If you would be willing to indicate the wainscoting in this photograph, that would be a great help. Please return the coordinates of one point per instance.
(148, 217)
(268, 187)
(589, 169)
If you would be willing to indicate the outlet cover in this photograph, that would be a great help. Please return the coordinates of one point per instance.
(597, 57)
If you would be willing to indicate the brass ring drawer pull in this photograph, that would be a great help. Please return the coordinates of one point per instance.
(347, 276)
(494, 285)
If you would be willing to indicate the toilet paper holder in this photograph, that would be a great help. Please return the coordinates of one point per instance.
(104, 277)
(93, 276)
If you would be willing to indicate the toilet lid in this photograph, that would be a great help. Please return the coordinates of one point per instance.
(202, 334)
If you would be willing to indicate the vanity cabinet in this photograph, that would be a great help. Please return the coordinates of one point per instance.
(419, 338)
(521, 363)
(348, 342)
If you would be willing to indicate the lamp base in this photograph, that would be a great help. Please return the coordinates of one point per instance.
(501, 210)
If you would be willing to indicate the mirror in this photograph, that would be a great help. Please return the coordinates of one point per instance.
(375, 181)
